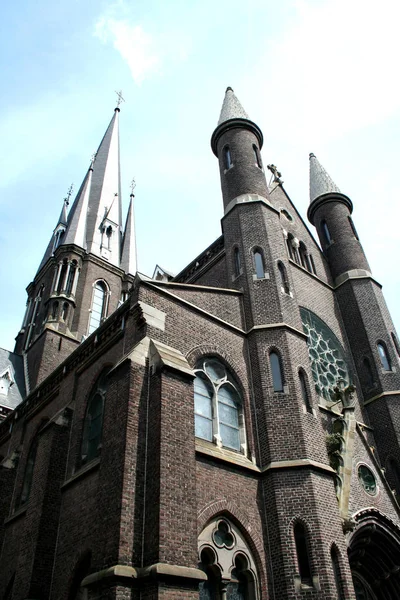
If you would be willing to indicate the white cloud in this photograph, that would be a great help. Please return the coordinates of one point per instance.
(136, 47)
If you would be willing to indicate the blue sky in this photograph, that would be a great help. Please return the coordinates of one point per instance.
(316, 76)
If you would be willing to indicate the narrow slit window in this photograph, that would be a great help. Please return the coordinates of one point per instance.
(237, 262)
(98, 306)
(289, 243)
(284, 278)
(395, 343)
(257, 156)
(337, 574)
(353, 228)
(276, 372)
(326, 233)
(227, 157)
(304, 392)
(303, 560)
(314, 270)
(384, 356)
(259, 265)
(203, 409)
(71, 276)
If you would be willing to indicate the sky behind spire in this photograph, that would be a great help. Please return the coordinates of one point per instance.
(173, 61)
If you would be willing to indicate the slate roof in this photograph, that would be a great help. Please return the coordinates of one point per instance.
(16, 392)
(231, 108)
(320, 182)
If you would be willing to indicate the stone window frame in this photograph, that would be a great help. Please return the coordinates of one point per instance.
(227, 158)
(229, 380)
(106, 300)
(278, 353)
(220, 561)
(306, 393)
(257, 155)
(253, 251)
(237, 264)
(285, 283)
(386, 356)
(362, 463)
(302, 582)
(99, 389)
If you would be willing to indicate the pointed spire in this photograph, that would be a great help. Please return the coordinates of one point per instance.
(58, 231)
(231, 108)
(63, 215)
(128, 254)
(320, 182)
(76, 230)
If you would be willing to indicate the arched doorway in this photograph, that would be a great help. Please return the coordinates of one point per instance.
(374, 555)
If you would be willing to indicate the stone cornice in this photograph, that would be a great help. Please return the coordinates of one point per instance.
(382, 395)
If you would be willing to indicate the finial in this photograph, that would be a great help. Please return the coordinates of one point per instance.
(68, 196)
(133, 185)
(312, 155)
(229, 89)
(120, 98)
(92, 159)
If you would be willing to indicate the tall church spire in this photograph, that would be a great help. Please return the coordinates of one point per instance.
(76, 231)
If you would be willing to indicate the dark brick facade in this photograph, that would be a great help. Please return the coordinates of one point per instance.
(126, 524)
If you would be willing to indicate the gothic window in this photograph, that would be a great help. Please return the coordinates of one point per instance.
(353, 228)
(54, 310)
(384, 357)
(303, 561)
(325, 231)
(289, 243)
(237, 262)
(314, 270)
(227, 158)
(99, 305)
(217, 406)
(259, 264)
(61, 280)
(109, 232)
(93, 425)
(304, 259)
(395, 343)
(327, 357)
(337, 574)
(284, 277)
(369, 376)
(64, 312)
(276, 371)
(28, 475)
(71, 277)
(228, 562)
(257, 156)
(304, 391)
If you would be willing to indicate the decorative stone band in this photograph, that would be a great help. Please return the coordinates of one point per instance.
(235, 124)
(246, 199)
(331, 197)
(298, 464)
(382, 395)
(128, 575)
(354, 274)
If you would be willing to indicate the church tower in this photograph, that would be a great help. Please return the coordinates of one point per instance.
(86, 269)
(372, 337)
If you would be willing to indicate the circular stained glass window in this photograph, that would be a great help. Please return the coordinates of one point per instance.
(326, 354)
(367, 479)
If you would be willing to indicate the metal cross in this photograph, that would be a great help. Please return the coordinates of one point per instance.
(69, 193)
(120, 98)
(133, 185)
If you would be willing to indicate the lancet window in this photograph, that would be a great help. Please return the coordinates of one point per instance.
(218, 406)
(99, 305)
(384, 357)
(91, 439)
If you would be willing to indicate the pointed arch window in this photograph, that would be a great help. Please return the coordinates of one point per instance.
(61, 280)
(284, 278)
(99, 305)
(227, 158)
(303, 560)
(289, 243)
(304, 391)
(28, 475)
(91, 439)
(257, 156)
(218, 407)
(395, 343)
(384, 357)
(276, 371)
(337, 574)
(54, 311)
(258, 264)
(237, 262)
(304, 258)
(64, 312)
(326, 232)
(314, 270)
(71, 276)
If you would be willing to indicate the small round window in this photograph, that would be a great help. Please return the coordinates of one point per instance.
(367, 479)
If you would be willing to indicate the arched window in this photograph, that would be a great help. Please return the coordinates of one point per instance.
(54, 311)
(369, 376)
(337, 574)
(276, 372)
(353, 228)
(64, 312)
(61, 280)
(304, 391)
(93, 425)
(314, 270)
(228, 563)
(284, 277)
(227, 157)
(395, 343)
(98, 306)
(326, 232)
(28, 475)
(237, 262)
(289, 243)
(384, 357)
(259, 264)
(257, 156)
(303, 560)
(217, 406)
(71, 277)
(109, 233)
(304, 259)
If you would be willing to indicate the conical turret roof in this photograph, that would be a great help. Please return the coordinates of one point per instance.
(231, 108)
(320, 182)
(128, 255)
(76, 231)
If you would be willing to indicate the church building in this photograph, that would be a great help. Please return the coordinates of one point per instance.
(231, 432)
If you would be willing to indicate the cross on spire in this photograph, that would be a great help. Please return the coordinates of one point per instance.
(133, 185)
(69, 193)
(120, 98)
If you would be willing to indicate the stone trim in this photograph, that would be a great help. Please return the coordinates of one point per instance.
(298, 464)
(16, 515)
(286, 326)
(224, 455)
(155, 571)
(195, 286)
(382, 395)
(354, 274)
(88, 468)
(247, 199)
